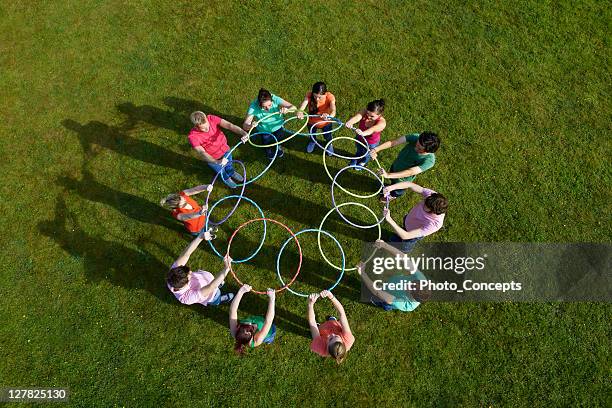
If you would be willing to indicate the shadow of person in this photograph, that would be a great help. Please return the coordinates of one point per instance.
(185, 107)
(130, 205)
(106, 260)
(95, 134)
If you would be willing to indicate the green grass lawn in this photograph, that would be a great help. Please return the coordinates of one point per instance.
(95, 98)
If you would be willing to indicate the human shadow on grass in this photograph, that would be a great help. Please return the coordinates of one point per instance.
(97, 134)
(105, 260)
(130, 205)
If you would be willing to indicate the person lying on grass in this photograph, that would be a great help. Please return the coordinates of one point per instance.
(190, 287)
(425, 218)
(208, 140)
(186, 209)
(260, 115)
(331, 338)
(371, 125)
(415, 157)
(402, 300)
(252, 331)
(322, 103)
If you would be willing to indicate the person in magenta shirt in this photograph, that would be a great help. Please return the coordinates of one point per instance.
(191, 287)
(424, 219)
(332, 338)
(207, 138)
(371, 124)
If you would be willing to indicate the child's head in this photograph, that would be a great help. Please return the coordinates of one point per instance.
(428, 142)
(178, 276)
(319, 89)
(172, 201)
(336, 348)
(200, 120)
(436, 203)
(375, 109)
(264, 99)
(244, 335)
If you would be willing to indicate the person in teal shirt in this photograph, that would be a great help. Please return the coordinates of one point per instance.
(253, 330)
(266, 115)
(403, 300)
(417, 156)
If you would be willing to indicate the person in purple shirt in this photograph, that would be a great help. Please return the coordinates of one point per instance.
(424, 219)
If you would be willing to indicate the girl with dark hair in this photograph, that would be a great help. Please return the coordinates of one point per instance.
(371, 124)
(323, 103)
(332, 338)
(262, 107)
(253, 330)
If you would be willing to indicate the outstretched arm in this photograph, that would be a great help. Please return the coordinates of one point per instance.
(351, 122)
(261, 335)
(198, 189)
(342, 314)
(387, 145)
(184, 257)
(205, 156)
(215, 283)
(409, 185)
(312, 320)
(403, 234)
(233, 128)
(233, 312)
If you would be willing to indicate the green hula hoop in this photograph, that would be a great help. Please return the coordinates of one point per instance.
(278, 141)
(321, 228)
(338, 184)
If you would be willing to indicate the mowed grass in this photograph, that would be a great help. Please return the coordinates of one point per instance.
(95, 98)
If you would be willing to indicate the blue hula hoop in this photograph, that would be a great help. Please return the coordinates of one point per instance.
(267, 167)
(278, 257)
(262, 216)
(239, 197)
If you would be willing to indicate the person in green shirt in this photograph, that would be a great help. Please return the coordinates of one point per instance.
(266, 114)
(417, 156)
(253, 330)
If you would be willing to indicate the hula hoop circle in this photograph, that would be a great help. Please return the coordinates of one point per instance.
(280, 253)
(334, 182)
(294, 236)
(262, 217)
(277, 141)
(339, 186)
(267, 167)
(329, 120)
(237, 201)
(325, 219)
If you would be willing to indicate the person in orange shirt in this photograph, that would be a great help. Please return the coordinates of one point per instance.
(332, 338)
(186, 209)
(322, 103)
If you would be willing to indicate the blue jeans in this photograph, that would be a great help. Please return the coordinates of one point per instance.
(327, 136)
(406, 245)
(267, 139)
(216, 301)
(227, 171)
(271, 335)
(361, 151)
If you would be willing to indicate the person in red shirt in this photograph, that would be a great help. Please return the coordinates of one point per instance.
(208, 140)
(332, 338)
(186, 209)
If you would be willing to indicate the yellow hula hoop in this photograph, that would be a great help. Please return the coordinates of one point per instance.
(323, 222)
(279, 141)
(338, 184)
